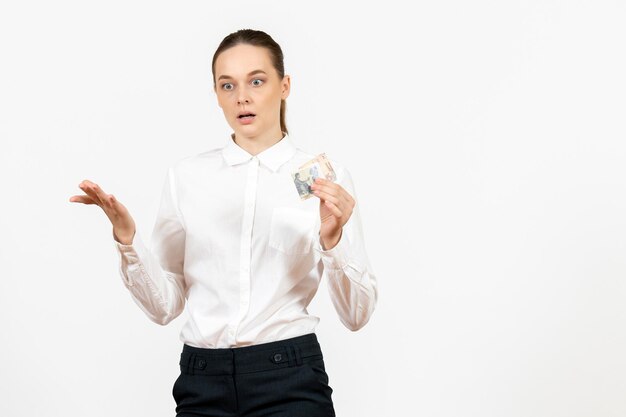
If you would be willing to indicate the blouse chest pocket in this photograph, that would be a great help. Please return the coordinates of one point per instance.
(292, 230)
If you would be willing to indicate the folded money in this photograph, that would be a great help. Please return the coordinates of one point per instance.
(307, 173)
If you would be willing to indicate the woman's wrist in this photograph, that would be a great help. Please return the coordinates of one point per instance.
(330, 242)
(125, 238)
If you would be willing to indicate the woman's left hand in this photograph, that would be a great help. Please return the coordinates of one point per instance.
(335, 209)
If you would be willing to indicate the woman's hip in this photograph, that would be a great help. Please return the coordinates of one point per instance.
(286, 375)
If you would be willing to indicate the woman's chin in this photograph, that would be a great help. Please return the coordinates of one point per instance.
(246, 130)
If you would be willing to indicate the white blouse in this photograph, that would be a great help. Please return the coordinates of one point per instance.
(234, 240)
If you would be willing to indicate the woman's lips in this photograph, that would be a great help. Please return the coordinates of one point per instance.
(246, 120)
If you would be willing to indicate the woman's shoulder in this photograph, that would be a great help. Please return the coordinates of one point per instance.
(197, 160)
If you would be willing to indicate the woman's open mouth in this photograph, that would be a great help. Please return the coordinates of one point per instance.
(246, 118)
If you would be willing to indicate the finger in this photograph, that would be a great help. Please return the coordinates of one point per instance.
(110, 206)
(322, 182)
(85, 199)
(93, 191)
(329, 188)
(328, 216)
(326, 196)
(101, 195)
(344, 202)
(336, 191)
(318, 186)
(333, 208)
(345, 197)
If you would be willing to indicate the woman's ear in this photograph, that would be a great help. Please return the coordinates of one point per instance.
(285, 86)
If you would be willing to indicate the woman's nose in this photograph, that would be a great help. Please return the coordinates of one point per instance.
(243, 97)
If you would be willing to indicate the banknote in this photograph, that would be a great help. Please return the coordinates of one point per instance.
(307, 173)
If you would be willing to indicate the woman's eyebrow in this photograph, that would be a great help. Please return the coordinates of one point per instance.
(249, 74)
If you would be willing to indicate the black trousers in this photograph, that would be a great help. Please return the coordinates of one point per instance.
(286, 378)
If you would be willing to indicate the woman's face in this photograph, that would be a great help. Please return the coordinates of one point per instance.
(246, 81)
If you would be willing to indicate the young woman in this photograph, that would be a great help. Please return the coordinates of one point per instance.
(237, 247)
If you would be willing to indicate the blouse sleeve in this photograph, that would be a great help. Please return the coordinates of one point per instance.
(351, 281)
(154, 275)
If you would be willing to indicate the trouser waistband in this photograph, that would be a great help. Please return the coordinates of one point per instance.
(254, 358)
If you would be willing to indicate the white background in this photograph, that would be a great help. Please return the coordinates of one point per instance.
(487, 144)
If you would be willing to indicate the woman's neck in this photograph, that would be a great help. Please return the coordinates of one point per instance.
(256, 145)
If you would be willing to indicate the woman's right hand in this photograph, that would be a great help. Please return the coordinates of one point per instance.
(123, 223)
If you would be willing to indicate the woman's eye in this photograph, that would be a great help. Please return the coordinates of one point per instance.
(227, 86)
(259, 83)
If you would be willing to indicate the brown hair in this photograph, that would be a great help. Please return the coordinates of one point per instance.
(256, 38)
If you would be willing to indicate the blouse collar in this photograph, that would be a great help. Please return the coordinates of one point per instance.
(272, 157)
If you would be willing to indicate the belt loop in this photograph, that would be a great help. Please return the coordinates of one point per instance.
(290, 356)
(298, 355)
(293, 351)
